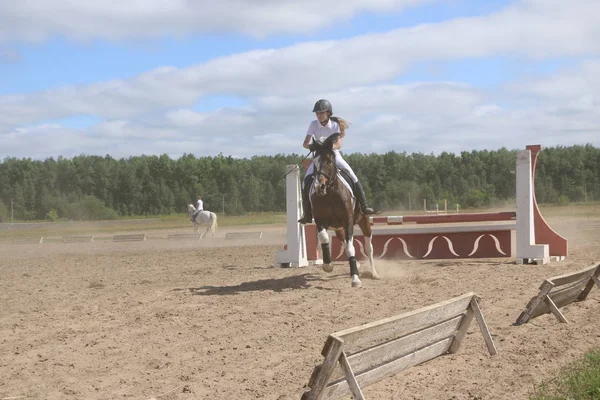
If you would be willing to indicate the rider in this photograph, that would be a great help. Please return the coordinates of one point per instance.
(199, 207)
(319, 129)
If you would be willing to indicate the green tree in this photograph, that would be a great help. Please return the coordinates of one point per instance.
(3, 212)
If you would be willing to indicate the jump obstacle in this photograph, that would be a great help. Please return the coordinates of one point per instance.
(183, 236)
(243, 235)
(136, 237)
(559, 291)
(487, 235)
(361, 356)
(78, 239)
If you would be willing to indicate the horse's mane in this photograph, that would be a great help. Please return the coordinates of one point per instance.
(326, 147)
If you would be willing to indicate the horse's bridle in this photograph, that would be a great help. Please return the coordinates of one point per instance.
(330, 179)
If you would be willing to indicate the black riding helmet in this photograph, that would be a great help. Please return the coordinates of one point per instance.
(323, 105)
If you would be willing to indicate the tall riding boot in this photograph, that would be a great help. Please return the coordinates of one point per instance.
(306, 206)
(362, 200)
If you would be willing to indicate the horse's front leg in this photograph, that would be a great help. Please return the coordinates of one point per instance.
(351, 254)
(323, 237)
(365, 227)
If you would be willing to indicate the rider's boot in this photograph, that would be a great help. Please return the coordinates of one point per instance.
(306, 206)
(362, 200)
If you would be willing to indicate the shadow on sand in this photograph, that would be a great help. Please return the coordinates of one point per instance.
(277, 285)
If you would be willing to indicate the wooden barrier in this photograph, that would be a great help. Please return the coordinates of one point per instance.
(137, 237)
(183, 236)
(369, 353)
(27, 240)
(77, 239)
(243, 235)
(591, 226)
(560, 291)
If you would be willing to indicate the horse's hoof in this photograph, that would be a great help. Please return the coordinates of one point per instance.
(356, 283)
(366, 274)
(370, 274)
(328, 267)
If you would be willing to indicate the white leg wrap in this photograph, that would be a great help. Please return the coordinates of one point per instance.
(350, 247)
(323, 237)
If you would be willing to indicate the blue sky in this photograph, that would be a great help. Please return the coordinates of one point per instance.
(241, 79)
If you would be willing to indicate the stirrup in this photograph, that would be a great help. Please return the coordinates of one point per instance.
(369, 211)
(304, 220)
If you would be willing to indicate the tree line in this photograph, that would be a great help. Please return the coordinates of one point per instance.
(95, 187)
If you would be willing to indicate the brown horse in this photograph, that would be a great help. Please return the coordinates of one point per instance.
(334, 206)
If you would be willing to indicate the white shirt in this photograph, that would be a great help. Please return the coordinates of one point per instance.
(320, 132)
(199, 205)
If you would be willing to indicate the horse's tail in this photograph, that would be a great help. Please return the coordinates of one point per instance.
(213, 225)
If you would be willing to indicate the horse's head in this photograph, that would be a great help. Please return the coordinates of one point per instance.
(325, 167)
(191, 209)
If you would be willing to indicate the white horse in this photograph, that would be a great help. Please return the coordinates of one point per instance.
(203, 217)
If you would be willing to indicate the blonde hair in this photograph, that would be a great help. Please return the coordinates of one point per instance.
(341, 122)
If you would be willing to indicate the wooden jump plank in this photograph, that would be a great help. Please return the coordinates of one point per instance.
(591, 225)
(129, 238)
(594, 281)
(405, 323)
(183, 236)
(340, 388)
(351, 378)
(487, 337)
(77, 239)
(575, 276)
(27, 240)
(430, 332)
(535, 303)
(369, 358)
(243, 235)
(332, 350)
(559, 291)
(560, 298)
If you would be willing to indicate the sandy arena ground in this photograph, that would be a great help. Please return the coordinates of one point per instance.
(216, 320)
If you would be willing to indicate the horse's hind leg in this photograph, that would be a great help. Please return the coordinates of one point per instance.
(208, 228)
(365, 227)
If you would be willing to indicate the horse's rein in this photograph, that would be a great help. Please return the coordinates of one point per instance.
(331, 180)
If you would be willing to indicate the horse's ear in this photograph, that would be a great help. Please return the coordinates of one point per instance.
(332, 138)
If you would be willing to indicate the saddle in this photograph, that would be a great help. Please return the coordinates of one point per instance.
(347, 180)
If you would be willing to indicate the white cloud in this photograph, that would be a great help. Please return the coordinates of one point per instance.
(37, 20)
(531, 28)
(426, 117)
(568, 84)
(151, 112)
